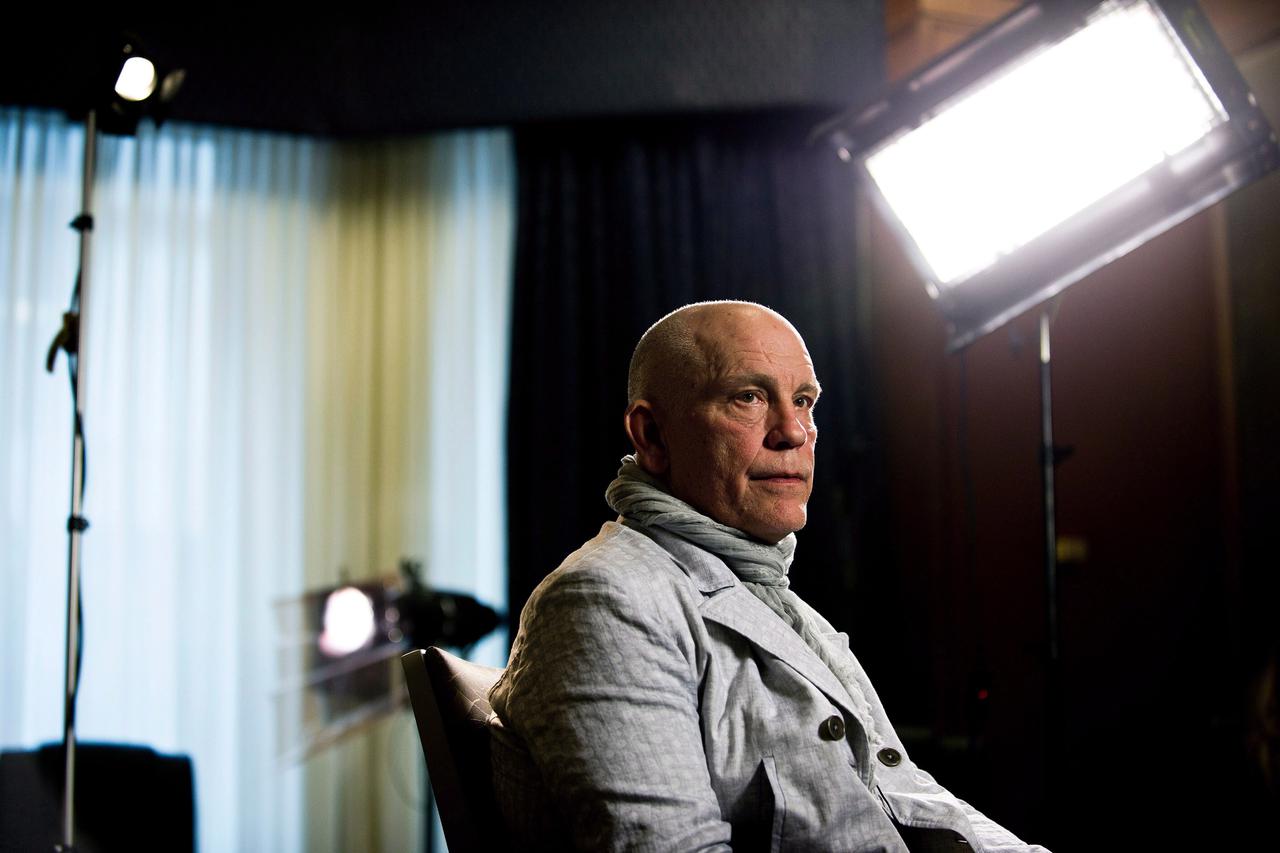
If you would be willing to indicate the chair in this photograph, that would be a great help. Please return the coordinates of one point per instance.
(450, 703)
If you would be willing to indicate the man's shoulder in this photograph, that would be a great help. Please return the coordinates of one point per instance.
(617, 557)
(617, 542)
(617, 594)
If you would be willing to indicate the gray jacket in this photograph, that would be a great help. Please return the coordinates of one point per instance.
(651, 702)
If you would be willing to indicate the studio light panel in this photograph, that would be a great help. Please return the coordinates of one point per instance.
(1067, 134)
(1043, 140)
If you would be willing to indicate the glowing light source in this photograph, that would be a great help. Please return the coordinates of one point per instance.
(349, 622)
(1066, 134)
(131, 81)
(1043, 140)
(137, 79)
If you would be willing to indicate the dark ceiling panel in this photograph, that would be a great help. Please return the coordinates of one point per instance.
(408, 67)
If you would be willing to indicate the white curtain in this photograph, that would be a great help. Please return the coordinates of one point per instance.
(295, 368)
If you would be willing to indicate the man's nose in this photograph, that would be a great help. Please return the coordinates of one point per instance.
(788, 431)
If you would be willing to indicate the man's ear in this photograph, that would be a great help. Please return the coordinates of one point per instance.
(646, 437)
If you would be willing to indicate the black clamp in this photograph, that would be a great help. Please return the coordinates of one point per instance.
(83, 222)
(68, 339)
(77, 524)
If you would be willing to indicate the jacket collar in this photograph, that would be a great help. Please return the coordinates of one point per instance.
(708, 572)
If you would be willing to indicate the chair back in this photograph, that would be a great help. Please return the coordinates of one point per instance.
(451, 705)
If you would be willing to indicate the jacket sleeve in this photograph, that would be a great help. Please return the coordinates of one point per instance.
(993, 837)
(602, 689)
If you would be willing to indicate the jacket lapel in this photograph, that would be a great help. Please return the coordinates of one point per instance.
(728, 603)
(741, 612)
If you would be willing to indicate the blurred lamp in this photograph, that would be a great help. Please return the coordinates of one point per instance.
(348, 623)
(1063, 136)
(137, 79)
(340, 645)
(130, 81)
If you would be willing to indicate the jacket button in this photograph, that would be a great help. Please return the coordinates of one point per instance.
(832, 728)
(889, 757)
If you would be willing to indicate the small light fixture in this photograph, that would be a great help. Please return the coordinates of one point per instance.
(348, 623)
(131, 81)
(1063, 136)
(137, 79)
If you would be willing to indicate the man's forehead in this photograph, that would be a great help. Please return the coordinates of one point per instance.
(753, 344)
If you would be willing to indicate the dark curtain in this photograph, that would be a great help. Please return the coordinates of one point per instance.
(620, 223)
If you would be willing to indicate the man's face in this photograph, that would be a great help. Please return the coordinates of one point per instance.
(741, 448)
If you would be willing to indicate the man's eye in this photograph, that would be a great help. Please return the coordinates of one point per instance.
(748, 396)
(804, 402)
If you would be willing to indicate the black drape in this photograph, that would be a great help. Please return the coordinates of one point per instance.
(620, 223)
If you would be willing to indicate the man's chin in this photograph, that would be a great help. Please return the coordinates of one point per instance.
(772, 535)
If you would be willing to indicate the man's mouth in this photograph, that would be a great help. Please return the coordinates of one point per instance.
(781, 477)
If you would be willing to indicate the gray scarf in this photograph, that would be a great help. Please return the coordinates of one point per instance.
(761, 568)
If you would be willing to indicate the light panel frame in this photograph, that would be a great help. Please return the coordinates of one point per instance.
(1234, 153)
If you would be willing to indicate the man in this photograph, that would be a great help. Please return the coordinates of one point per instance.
(666, 690)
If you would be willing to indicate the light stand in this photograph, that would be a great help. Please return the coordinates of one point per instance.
(1063, 136)
(134, 87)
(1056, 720)
(69, 339)
(1048, 462)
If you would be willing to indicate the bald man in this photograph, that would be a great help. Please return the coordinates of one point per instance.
(666, 689)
